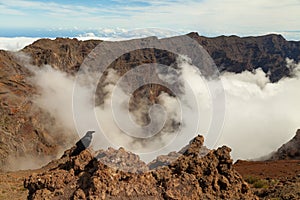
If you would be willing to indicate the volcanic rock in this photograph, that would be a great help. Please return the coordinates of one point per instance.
(24, 128)
(122, 160)
(62, 53)
(290, 150)
(189, 177)
(230, 53)
(238, 54)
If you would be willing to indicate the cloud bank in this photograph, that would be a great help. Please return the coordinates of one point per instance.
(106, 34)
(15, 44)
(260, 116)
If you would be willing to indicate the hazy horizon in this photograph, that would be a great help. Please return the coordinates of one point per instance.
(43, 18)
(115, 33)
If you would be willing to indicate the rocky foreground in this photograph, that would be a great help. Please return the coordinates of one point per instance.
(189, 177)
(83, 175)
(276, 179)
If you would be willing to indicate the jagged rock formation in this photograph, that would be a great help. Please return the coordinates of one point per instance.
(62, 53)
(230, 53)
(189, 177)
(290, 150)
(236, 54)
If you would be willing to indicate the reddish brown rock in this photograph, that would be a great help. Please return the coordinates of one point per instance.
(189, 177)
(62, 53)
(25, 129)
(238, 54)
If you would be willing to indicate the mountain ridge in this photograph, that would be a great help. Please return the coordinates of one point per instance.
(231, 53)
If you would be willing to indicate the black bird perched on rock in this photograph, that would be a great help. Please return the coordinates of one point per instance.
(83, 143)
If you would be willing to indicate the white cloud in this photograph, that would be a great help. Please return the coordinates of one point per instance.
(9, 11)
(117, 34)
(260, 116)
(15, 44)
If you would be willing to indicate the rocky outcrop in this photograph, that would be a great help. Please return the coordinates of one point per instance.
(290, 150)
(237, 54)
(189, 177)
(62, 53)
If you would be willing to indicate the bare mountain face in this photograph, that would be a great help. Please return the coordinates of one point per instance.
(190, 177)
(235, 54)
(61, 53)
(290, 150)
(23, 130)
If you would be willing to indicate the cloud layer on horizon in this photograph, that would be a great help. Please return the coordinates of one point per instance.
(208, 17)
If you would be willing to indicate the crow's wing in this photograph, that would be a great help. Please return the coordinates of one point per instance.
(82, 144)
(86, 141)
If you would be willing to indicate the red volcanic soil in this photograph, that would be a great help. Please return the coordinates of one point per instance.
(280, 169)
(272, 180)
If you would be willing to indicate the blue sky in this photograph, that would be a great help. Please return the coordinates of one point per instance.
(209, 17)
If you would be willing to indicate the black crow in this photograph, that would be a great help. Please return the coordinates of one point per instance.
(83, 143)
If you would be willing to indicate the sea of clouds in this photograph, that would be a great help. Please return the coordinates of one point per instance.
(260, 115)
(106, 34)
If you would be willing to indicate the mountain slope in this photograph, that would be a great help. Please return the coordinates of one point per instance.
(236, 54)
(230, 53)
(289, 150)
(23, 131)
